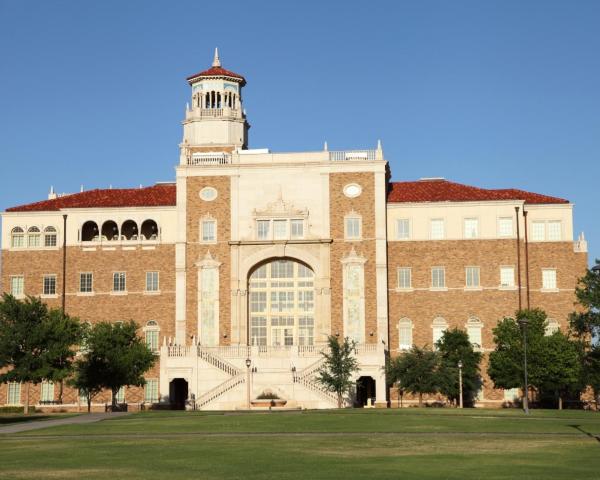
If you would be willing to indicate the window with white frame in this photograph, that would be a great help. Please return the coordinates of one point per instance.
(505, 227)
(49, 285)
(47, 392)
(120, 396)
(17, 238)
(405, 334)
(538, 231)
(297, 228)
(151, 390)
(439, 327)
(474, 327)
(438, 277)
(554, 231)
(262, 229)
(280, 229)
(152, 282)
(14, 394)
(471, 228)
(209, 231)
(549, 279)
(86, 282)
(119, 282)
(404, 278)
(33, 237)
(152, 333)
(437, 230)
(507, 277)
(352, 228)
(472, 277)
(511, 394)
(50, 237)
(403, 229)
(551, 326)
(83, 397)
(17, 285)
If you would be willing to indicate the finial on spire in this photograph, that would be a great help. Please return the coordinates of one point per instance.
(216, 61)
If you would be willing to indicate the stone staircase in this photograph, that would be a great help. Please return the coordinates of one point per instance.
(217, 362)
(306, 378)
(219, 390)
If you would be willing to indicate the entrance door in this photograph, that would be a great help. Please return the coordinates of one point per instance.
(178, 393)
(365, 390)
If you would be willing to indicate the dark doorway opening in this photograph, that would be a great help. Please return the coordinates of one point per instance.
(178, 393)
(365, 391)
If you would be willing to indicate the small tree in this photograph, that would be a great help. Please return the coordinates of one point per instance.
(340, 364)
(455, 346)
(417, 371)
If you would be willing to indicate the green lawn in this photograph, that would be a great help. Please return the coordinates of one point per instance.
(349, 444)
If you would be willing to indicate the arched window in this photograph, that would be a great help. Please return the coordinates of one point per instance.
(149, 230)
(439, 326)
(17, 237)
(474, 327)
(152, 332)
(110, 231)
(129, 230)
(405, 334)
(50, 237)
(89, 232)
(552, 326)
(33, 237)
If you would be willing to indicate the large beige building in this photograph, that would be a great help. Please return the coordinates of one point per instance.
(239, 270)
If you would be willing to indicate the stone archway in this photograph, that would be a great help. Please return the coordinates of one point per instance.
(365, 391)
(178, 393)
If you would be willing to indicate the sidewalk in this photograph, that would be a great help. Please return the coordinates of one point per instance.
(79, 419)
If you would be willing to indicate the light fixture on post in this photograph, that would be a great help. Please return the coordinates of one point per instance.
(460, 384)
(248, 363)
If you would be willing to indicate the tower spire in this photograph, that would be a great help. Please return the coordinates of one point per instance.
(216, 61)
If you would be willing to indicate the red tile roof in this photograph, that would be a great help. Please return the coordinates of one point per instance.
(155, 196)
(217, 72)
(440, 190)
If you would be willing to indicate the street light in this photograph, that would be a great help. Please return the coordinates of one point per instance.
(460, 387)
(248, 363)
(523, 321)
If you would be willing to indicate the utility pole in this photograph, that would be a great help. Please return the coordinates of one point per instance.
(460, 383)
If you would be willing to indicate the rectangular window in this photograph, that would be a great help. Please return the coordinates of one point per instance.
(505, 227)
(549, 279)
(152, 340)
(151, 390)
(17, 286)
(555, 231)
(262, 229)
(474, 332)
(306, 330)
(14, 394)
(86, 282)
(152, 284)
(405, 335)
(511, 394)
(402, 229)
(209, 233)
(438, 277)
(50, 239)
(472, 277)
(49, 285)
(17, 240)
(121, 395)
(438, 333)
(119, 282)
(538, 231)
(404, 277)
(33, 240)
(471, 227)
(259, 330)
(352, 227)
(279, 229)
(437, 229)
(47, 393)
(507, 277)
(297, 228)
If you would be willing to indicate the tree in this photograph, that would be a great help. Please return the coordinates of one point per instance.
(455, 346)
(417, 371)
(114, 356)
(338, 367)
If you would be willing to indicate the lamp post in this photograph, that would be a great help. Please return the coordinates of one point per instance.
(523, 321)
(460, 386)
(248, 363)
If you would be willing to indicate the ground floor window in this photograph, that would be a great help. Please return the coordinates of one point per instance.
(47, 393)
(151, 390)
(14, 394)
(121, 395)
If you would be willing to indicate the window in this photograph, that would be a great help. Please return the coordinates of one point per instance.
(474, 327)
(439, 327)
(405, 340)
(538, 231)
(548, 279)
(306, 330)
(50, 237)
(17, 284)
(14, 394)
(507, 277)
(208, 194)
(297, 228)
(471, 227)
(551, 326)
(555, 231)
(151, 390)
(511, 394)
(152, 283)
(472, 277)
(119, 282)
(82, 397)
(86, 282)
(17, 238)
(47, 393)
(352, 228)
(209, 230)
(49, 287)
(152, 332)
(120, 396)
(33, 237)
(262, 229)
(279, 229)
(403, 229)
(438, 277)
(505, 227)
(404, 278)
(437, 229)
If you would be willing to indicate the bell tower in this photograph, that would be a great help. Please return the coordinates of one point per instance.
(215, 121)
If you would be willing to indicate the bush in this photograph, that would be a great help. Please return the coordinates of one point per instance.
(14, 409)
(268, 396)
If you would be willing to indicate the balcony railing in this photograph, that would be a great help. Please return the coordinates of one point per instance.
(209, 158)
(349, 155)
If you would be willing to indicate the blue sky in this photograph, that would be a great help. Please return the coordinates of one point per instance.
(490, 93)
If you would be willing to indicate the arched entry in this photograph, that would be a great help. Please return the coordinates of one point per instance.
(281, 304)
(365, 390)
(178, 393)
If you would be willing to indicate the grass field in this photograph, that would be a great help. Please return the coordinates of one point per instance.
(352, 444)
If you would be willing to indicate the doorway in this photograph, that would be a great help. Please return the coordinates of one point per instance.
(178, 393)
(365, 391)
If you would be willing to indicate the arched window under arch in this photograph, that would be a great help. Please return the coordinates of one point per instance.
(129, 230)
(50, 237)
(152, 332)
(474, 327)
(149, 230)
(551, 326)
(89, 231)
(17, 237)
(110, 231)
(405, 334)
(439, 326)
(33, 237)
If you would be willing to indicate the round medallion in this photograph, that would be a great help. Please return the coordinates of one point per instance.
(352, 190)
(208, 194)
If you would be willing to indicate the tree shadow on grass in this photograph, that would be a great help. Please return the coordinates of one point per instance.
(9, 420)
(591, 435)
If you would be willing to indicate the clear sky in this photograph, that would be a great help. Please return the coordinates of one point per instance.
(498, 94)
